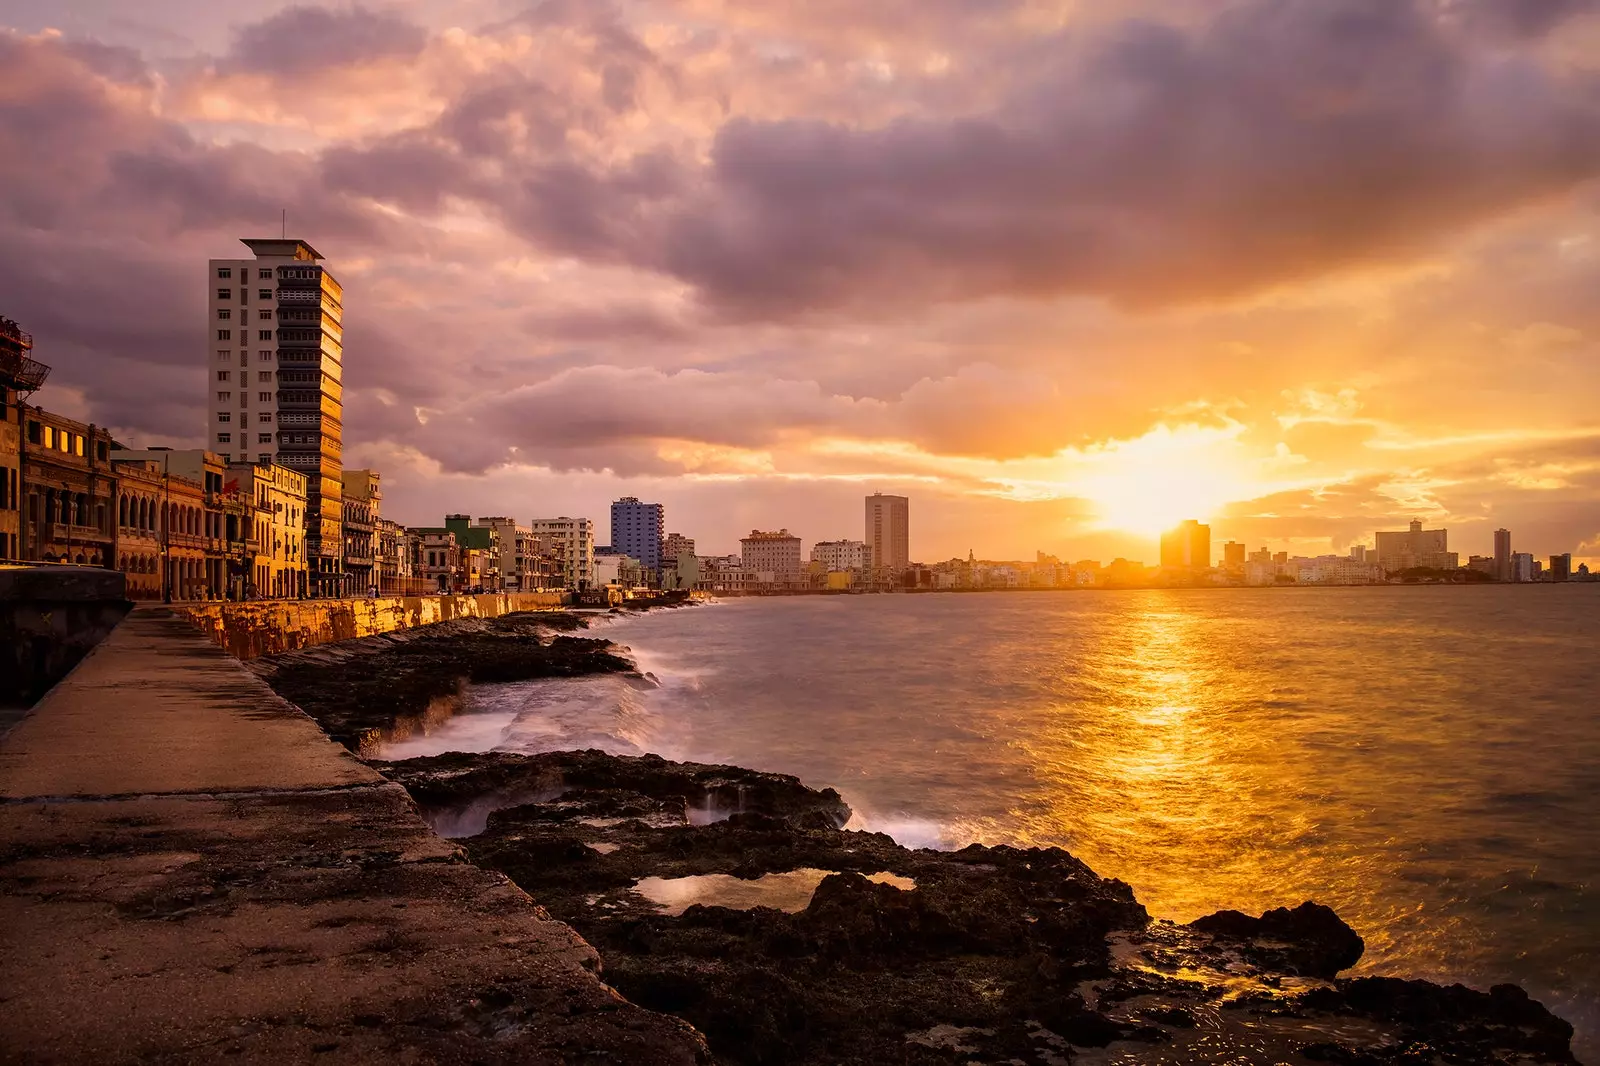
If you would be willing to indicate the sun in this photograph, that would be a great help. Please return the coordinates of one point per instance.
(1149, 484)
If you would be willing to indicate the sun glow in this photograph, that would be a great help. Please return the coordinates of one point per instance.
(1150, 484)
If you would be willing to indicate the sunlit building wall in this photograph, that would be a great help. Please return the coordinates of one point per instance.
(1415, 547)
(888, 531)
(1188, 547)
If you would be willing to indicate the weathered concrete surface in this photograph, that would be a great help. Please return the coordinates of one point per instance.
(50, 616)
(191, 871)
(252, 629)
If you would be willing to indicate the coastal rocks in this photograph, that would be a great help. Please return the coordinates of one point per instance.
(733, 900)
(1309, 940)
(368, 692)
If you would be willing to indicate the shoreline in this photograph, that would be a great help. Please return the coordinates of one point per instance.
(590, 835)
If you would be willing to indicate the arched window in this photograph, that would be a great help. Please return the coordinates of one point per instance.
(122, 510)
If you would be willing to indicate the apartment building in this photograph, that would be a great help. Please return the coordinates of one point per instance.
(570, 542)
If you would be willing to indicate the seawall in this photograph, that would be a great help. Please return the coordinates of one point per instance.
(247, 630)
(191, 871)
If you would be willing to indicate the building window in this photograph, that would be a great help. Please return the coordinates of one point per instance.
(264, 274)
(265, 357)
(264, 313)
(224, 357)
(224, 314)
(224, 397)
(100, 451)
(223, 294)
(224, 334)
(265, 294)
(49, 436)
(224, 416)
(77, 444)
(34, 433)
(224, 438)
(266, 416)
(264, 335)
(224, 375)
(264, 397)
(263, 375)
(224, 272)
(263, 438)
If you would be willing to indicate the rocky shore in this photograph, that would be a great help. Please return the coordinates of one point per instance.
(735, 900)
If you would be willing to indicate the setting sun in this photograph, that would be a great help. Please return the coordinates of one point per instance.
(1153, 482)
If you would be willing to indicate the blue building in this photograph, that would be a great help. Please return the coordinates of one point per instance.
(637, 529)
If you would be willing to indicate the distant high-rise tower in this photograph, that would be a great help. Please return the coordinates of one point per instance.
(1502, 555)
(274, 373)
(889, 531)
(637, 529)
(1188, 547)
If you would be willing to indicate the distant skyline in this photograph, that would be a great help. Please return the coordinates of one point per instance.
(1064, 274)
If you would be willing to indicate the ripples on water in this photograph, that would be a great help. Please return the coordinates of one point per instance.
(1424, 760)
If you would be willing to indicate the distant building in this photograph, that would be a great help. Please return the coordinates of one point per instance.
(1415, 548)
(842, 555)
(1523, 566)
(777, 554)
(276, 564)
(1484, 564)
(1502, 555)
(1188, 547)
(391, 562)
(570, 542)
(1358, 553)
(1233, 555)
(20, 376)
(675, 545)
(888, 531)
(1561, 567)
(637, 530)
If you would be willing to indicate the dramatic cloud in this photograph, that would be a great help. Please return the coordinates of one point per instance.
(1311, 265)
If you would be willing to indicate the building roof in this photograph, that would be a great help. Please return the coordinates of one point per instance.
(285, 246)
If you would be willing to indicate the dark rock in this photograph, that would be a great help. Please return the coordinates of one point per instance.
(1310, 940)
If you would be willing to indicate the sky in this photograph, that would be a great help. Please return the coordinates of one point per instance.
(1062, 272)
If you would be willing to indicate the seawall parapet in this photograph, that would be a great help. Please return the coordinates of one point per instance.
(247, 630)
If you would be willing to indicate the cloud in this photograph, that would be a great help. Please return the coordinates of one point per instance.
(305, 40)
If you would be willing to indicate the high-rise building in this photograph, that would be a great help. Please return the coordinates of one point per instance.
(777, 554)
(274, 371)
(1187, 547)
(888, 531)
(1233, 555)
(637, 529)
(1502, 555)
(1415, 548)
(1561, 567)
(571, 542)
(1522, 566)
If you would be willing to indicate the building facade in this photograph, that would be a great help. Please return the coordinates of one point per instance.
(275, 372)
(1561, 567)
(637, 530)
(392, 561)
(69, 514)
(363, 502)
(836, 555)
(1502, 555)
(777, 554)
(141, 546)
(438, 561)
(1415, 548)
(276, 507)
(888, 531)
(570, 541)
(1187, 547)
(20, 376)
(195, 535)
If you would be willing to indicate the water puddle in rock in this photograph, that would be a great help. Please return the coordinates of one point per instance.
(790, 891)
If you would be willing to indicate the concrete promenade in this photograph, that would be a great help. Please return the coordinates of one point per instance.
(190, 871)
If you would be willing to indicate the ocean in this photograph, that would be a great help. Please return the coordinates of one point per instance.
(1425, 760)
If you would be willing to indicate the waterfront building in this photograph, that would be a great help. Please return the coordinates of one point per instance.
(888, 531)
(1561, 567)
(275, 538)
(1522, 566)
(1502, 555)
(1233, 555)
(835, 555)
(195, 535)
(274, 369)
(1415, 548)
(437, 561)
(637, 529)
(362, 504)
(68, 489)
(391, 562)
(775, 556)
(1187, 547)
(1484, 564)
(570, 542)
(20, 376)
(612, 567)
(141, 551)
(675, 545)
(1359, 553)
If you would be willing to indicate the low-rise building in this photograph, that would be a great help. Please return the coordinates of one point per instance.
(20, 376)
(276, 501)
(71, 490)
(392, 562)
(570, 542)
(774, 557)
(437, 560)
(197, 547)
(141, 550)
(361, 504)
(842, 555)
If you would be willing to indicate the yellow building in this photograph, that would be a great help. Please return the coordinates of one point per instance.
(276, 537)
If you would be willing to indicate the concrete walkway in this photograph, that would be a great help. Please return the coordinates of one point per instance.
(190, 871)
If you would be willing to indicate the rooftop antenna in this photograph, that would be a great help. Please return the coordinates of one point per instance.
(283, 223)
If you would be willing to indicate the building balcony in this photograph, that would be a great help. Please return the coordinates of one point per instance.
(62, 532)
